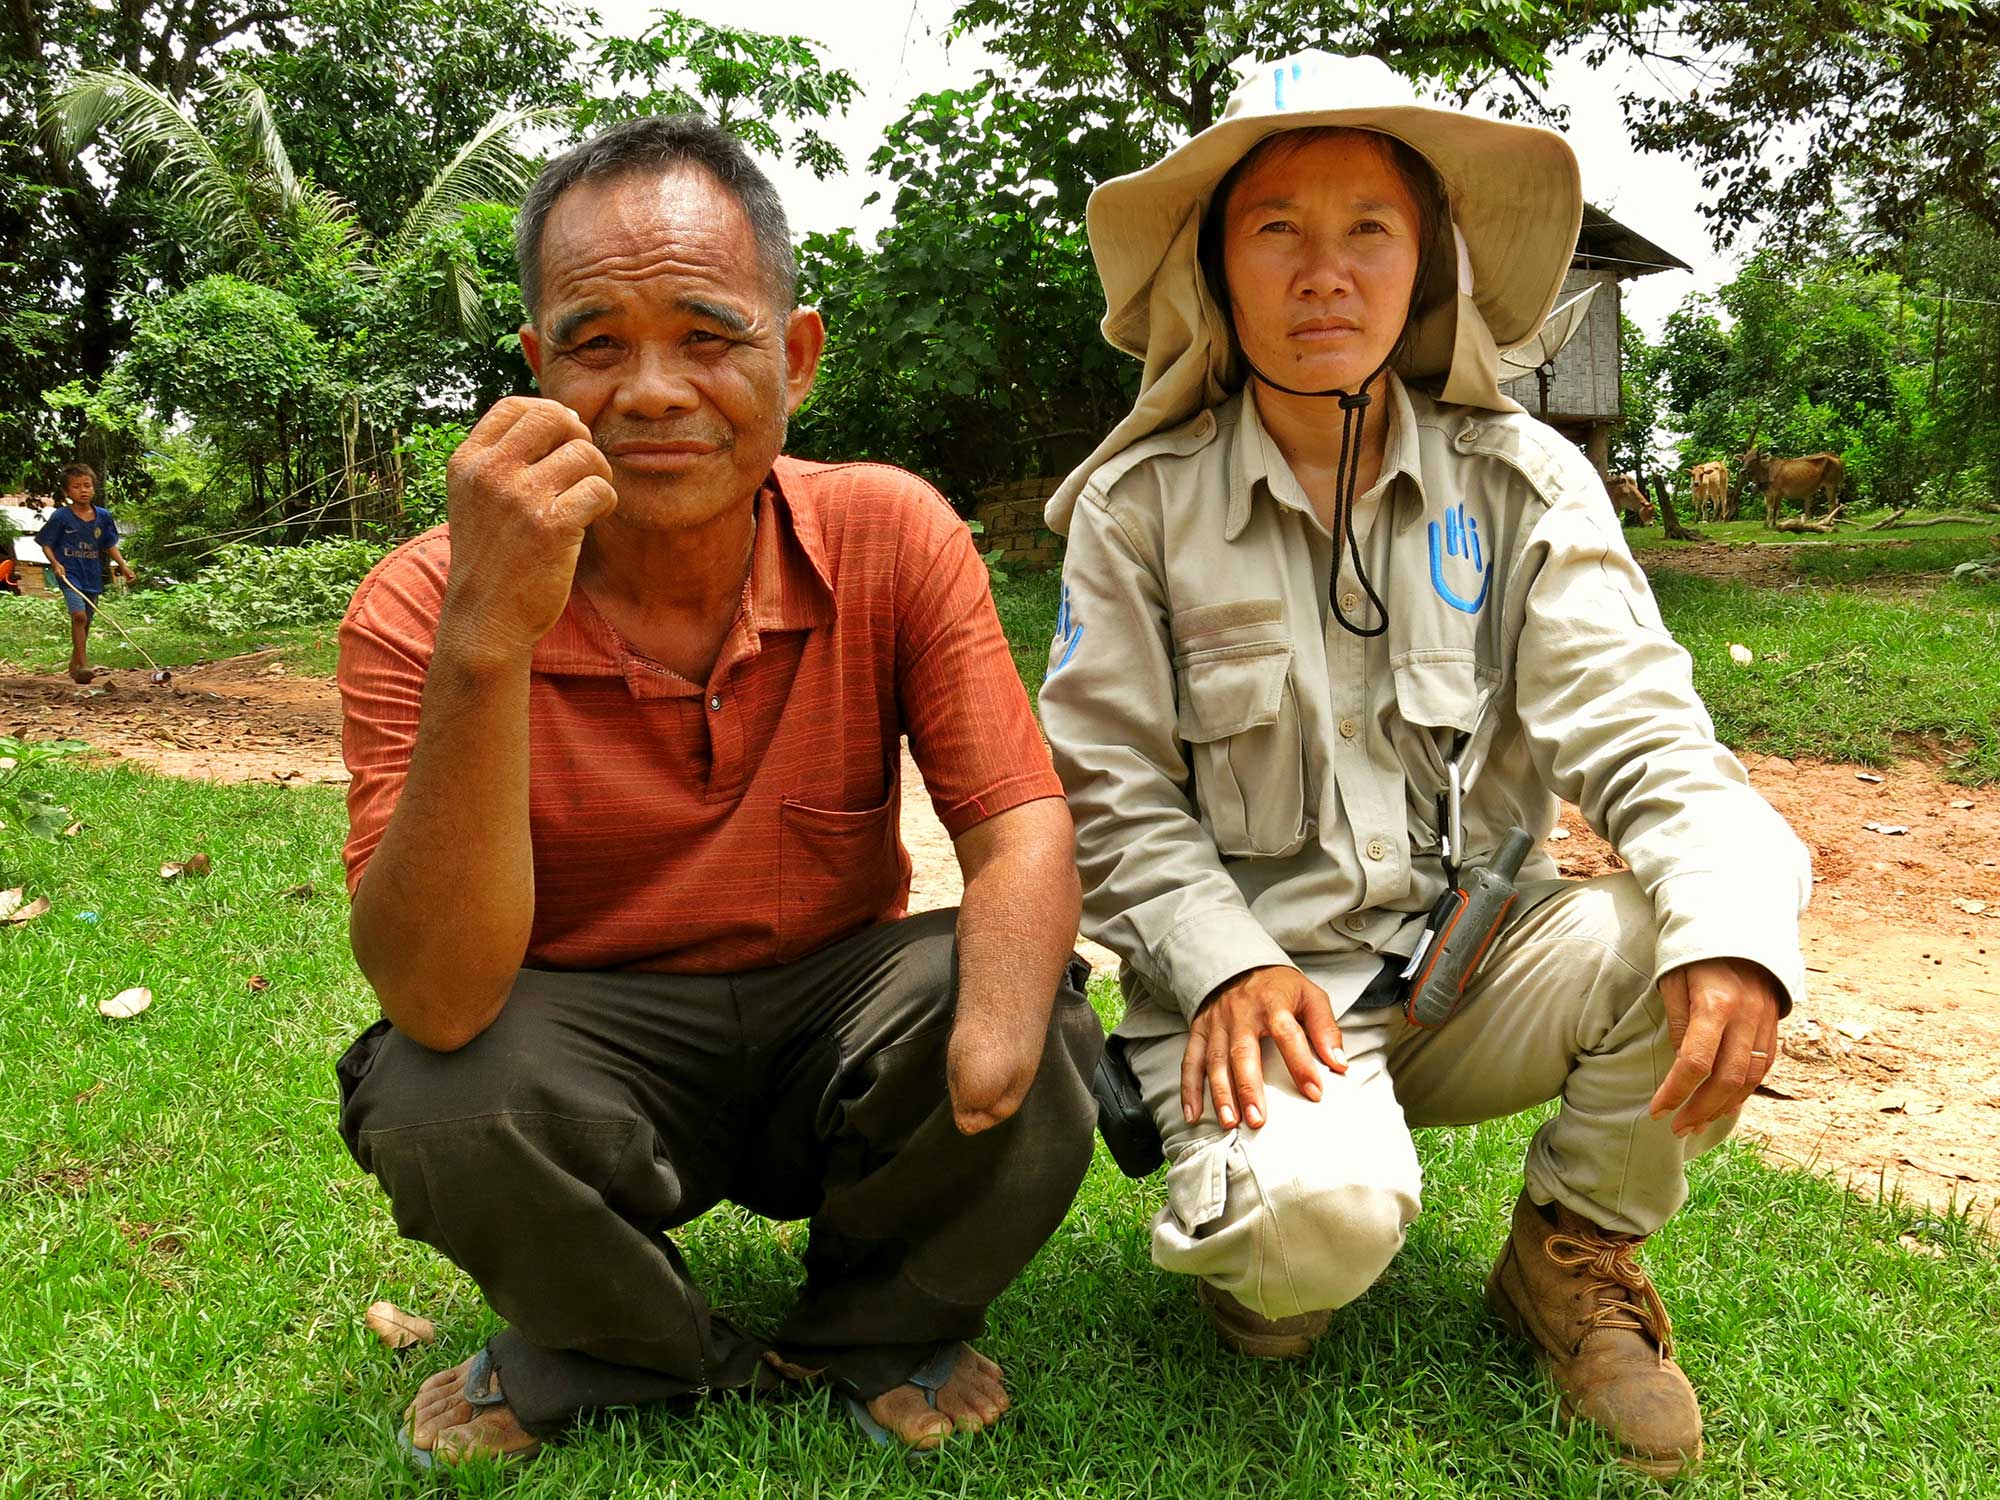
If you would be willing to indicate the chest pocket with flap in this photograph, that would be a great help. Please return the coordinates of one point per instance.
(1239, 715)
(1441, 695)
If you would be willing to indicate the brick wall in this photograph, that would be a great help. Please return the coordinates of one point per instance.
(1012, 516)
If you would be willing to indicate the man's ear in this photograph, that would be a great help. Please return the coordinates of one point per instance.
(531, 349)
(805, 338)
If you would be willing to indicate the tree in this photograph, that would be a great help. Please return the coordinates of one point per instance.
(1171, 58)
(232, 185)
(238, 362)
(371, 95)
(748, 82)
(1834, 354)
(1632, 446)
(1804, 112)
(965, 343)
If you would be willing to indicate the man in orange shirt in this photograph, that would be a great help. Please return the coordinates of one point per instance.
(625, 861)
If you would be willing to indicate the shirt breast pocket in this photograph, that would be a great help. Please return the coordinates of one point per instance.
(838, 871)
(1238, 713)
(1442, 696)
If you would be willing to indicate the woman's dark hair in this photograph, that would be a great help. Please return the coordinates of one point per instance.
(1437, 256)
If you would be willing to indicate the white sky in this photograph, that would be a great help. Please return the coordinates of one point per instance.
(896, 50)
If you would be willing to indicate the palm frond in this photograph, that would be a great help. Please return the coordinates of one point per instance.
(469, 307)
(486, 169)
(147, 121)
(260, 132)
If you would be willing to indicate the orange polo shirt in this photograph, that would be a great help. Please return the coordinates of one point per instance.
(752, 820)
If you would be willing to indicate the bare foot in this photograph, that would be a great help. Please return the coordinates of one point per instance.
(971, 1399)
(443, 1423)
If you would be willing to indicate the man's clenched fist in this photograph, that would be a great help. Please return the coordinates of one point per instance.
(520, 492)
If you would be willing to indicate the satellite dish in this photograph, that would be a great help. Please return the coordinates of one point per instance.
(1562, 325)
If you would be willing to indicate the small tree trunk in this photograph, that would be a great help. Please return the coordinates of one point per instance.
(1663, 497)
(350, 443)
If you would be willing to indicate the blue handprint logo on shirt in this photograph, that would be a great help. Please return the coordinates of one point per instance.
(1460, 538)
(1069, 634)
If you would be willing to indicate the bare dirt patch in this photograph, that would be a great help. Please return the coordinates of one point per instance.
(244, 719)
(1890, 1077)
(1765, 567)
(1768, 565)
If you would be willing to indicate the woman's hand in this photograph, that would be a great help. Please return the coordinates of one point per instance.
(1226, 1042)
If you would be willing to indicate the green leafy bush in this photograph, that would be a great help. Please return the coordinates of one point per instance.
(428, 449)
(252, 588)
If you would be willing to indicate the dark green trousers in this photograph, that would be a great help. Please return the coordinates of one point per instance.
(550, 1158)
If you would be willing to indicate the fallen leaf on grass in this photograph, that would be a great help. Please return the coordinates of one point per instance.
(1888, 828)
(194, 864)
(10, 902)
(38, 907)
(73, 830)
(300, 892)
(125, 1004)
(1922, 1247)
(257, 984)
(396, 1328)
(198, 864)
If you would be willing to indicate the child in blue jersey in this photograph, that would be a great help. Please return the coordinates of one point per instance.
(77, 539)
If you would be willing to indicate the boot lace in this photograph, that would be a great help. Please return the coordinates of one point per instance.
(1626, 1297)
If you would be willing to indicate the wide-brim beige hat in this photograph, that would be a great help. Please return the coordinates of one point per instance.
(1516, 202)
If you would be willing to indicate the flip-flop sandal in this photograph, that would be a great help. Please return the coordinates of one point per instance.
(929, 1379)
(482, 1390)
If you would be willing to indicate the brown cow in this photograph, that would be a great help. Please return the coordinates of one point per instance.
(1712, 499)
(1803, 479)
(1634, 506)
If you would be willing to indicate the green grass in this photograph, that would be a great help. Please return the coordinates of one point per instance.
(1857, 564)
(1745, 532)
(1846, 676)
(1028, 603)
(34, 635)
(189, 1251)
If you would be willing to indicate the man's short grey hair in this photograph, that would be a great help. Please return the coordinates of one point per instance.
(660, 144)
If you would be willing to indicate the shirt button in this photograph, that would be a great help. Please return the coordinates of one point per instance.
(1377, 849)
(1349, 729)
(1354, 923)
(1349, 602)
(715, 703)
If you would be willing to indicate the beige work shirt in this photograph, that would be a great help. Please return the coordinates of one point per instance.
(1253, 784)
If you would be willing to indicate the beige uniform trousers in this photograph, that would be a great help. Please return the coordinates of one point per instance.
(1307, 1212)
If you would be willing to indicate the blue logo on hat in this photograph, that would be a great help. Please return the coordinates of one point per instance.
(1460, 535)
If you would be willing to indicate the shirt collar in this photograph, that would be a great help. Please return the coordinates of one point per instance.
(791, 585)
(1257, 459)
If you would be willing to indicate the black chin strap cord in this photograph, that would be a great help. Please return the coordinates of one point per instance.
(1347, 476)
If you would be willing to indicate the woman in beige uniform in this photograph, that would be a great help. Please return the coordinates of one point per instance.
(1322, 572)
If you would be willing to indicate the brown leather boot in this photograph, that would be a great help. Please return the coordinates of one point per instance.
(1254, 1334)
(1579, 1294)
